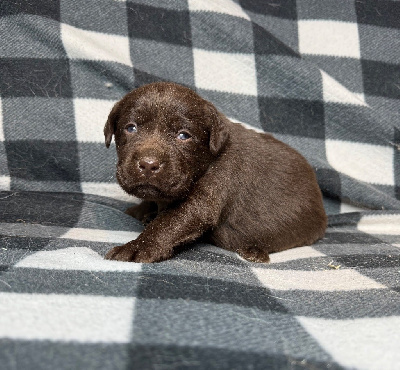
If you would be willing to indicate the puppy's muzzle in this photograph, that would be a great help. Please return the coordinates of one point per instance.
(149, 166)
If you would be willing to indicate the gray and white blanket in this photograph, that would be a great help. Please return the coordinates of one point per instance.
(323, 76)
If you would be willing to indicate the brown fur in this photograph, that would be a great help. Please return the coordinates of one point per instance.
(241, 190)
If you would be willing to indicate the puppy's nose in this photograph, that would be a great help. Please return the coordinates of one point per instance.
(149, 165)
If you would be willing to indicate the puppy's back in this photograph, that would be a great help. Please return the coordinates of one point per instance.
(275, 202)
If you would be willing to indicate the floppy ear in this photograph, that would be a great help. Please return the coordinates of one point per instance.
(218, 129)
(109, 128)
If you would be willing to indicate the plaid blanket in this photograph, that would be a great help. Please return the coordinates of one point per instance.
(322, 76)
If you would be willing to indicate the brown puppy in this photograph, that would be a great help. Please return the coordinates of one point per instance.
(201, 175)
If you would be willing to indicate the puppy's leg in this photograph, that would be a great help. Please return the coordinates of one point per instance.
(145, 211)
(177, 225)
(228, 238)
(253, 254)
(171, 228)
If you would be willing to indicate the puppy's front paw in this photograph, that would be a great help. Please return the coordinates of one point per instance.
(124, 253)
(132, 252)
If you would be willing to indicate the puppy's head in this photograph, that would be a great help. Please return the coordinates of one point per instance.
(166, 137)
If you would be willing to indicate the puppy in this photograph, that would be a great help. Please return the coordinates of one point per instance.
(201, 175)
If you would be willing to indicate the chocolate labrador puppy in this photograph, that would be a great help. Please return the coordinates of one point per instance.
(201, 175)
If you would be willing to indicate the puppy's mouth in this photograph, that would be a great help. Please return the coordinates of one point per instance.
(151, 189)
(140, 190)
(146, 191)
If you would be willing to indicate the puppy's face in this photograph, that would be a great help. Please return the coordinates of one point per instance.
(166, 138)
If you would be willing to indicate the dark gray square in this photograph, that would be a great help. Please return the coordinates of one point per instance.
(284, 30)
(221, 32)
(396, 142)
(166, 4)
(379, 44)
(243, 108)
(331, 206)
(43, 161)
(150, 57)
(42, 208)
(43, 8)
(356, 123)
(159, 24)
(143, 78)
(352, 303)
(381, 79)
(340, 10)
(38, 119)
(33, 354)
(368, 195)
(27, 36)
(281, 8)
(294, 117)
(201, 289)
(97, 163)
(100, 79)
(329, 182)
(266, 43)
(213, 357)
(3, 160)
(287, 77)
(382, 13)
(313, 149)
(386, 109)
(186, 322)
(347, 71)
(87, 15)
(35, 77)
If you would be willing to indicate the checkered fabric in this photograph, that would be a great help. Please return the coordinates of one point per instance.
(322, 76)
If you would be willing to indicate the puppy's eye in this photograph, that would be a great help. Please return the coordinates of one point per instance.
(131, 128)
(183, 135)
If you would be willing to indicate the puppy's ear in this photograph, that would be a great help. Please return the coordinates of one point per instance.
(109, 128)
(218, 129)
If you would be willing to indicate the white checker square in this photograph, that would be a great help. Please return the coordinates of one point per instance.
(90, 117)
(348, 208)
(75, 259)
(323, 37)
(324, 281)
(295, 254)
(66, 318)
(102, 236)
(335, 92)
(224, 72)
(5, 183)
(365, 343)
(105, 189)
(365, 162)
(380, 224)
(222, 6)
(90, 45)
